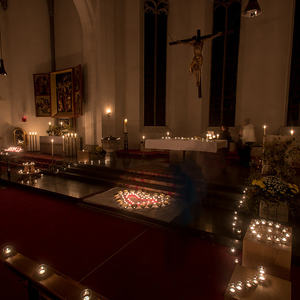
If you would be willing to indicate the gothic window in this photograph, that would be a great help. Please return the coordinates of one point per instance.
(224, 65)
(294, 95)
(155, 54)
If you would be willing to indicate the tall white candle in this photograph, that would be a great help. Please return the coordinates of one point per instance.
(75, 135)
(30, 141)
(35, 141)
(265, 129)
(125, 126)
(52, 152)
(63, 143)
(72, 141)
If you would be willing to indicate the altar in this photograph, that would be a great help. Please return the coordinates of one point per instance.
(186, 144)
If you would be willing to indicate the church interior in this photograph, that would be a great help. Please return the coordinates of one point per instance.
(149, 149)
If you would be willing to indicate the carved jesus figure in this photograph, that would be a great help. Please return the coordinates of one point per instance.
(197, 42)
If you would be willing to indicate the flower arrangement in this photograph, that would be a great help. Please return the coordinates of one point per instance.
(272, 190)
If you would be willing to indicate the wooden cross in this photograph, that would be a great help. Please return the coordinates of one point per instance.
(197, 42)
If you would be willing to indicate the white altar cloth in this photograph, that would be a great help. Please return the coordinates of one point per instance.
(185, 145)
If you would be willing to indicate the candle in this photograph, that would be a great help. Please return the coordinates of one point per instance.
(108, 112)
(35, 138)
(68, 145)
(52, 141)
(143, 137)
(75, 135)
(61, 124)
(125, 126)
(218, 136)
(265, 129)
(49, 124)
(292, 132)
(72, 147)
(30, 146)
(63, 143)
(168, 133)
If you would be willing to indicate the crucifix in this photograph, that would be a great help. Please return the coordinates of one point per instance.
(197, 42)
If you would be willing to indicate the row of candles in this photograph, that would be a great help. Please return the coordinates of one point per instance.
(43, 272)
(69, 145)
(240, 287)
(292, 131)
(32, 141)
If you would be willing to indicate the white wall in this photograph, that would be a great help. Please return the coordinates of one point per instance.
(68, 35)
(26, 51)
(264, 65)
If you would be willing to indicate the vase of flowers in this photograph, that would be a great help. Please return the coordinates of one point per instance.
(272, 197)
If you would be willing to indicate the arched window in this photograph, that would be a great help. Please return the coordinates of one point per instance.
(224, 65)
(293, 118)
(155, 55)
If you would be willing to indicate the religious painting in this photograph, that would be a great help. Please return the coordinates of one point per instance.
(62, 93)
(42, 94)
(77, 89)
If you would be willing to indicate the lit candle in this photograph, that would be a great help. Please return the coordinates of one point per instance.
(265, 129)
(292, 132)
(143, 137)
(72, 146)
(61, 124)
(218, 136)
(52, 141)
(35, 138)
(168, 133)
(30, 146)
(63, 143)
(49, 124)
(125, 126)
(75, 140)
(108, 112)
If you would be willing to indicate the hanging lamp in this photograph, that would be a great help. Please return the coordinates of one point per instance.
(252, 9)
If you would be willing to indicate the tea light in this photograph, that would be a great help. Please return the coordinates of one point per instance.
(239, 286)
(42, 269)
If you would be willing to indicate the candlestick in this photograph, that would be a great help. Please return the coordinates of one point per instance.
(52, 141)
(125, 126)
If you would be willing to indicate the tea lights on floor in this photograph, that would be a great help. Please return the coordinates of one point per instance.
(138, 199)
(250, 283)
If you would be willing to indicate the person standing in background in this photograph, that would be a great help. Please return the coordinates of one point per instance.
(248, 138)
